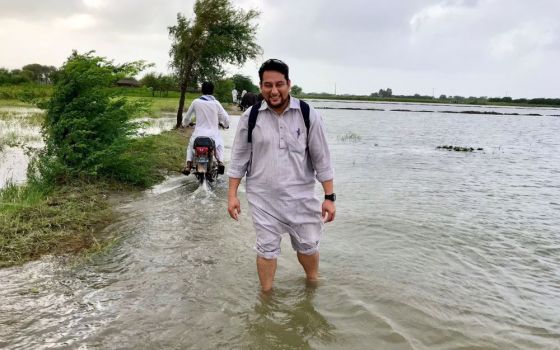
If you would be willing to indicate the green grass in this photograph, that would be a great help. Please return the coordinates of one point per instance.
(38, 219)
(32, 119)
(9, 139)
(34, 222)
(11, 102)
(164, 104)
(25, 91)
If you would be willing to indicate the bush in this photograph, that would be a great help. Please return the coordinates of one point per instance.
(87, 127)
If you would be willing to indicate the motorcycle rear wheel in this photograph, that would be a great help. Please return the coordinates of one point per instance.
(200, 177)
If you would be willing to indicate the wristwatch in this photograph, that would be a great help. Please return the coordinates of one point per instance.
(330, 197)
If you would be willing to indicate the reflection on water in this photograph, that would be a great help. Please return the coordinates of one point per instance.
(287, 318)
(154, 126)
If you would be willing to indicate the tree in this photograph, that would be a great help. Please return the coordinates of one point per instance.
(166, 84)
(217, 35)
(150, 81)
(15, 76)
(222, 90)
(40, 74)
(159, 83)
(243, 82)
(385, 93)
(296, 90)
(87, 127)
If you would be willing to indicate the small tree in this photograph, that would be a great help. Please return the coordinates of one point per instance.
(150, 81)
(166, 84)
(40, 74)
(296, 90)
(222, 90)
(87, 126)
(243, 82)
(218, 34)
(159, 83)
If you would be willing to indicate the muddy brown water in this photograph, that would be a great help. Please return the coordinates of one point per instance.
(431, 249)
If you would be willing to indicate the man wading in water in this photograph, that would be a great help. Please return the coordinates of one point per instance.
(282, 155)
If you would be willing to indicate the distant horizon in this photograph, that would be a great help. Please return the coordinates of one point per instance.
(395, 94)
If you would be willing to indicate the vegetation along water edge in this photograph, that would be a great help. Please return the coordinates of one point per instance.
(90, 152)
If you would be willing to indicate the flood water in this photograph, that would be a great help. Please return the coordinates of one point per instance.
(19, 139)
(431, 249)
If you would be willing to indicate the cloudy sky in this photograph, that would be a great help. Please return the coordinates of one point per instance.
(452, 47)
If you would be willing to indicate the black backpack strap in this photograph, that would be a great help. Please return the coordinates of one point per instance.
(305, 113)
(253, 114)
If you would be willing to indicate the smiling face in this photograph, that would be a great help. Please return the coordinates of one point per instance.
(275, 90)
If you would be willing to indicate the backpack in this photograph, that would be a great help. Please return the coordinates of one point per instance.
(255, 113)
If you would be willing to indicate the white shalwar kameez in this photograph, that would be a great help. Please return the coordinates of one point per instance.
(209, 113)
(281, 176)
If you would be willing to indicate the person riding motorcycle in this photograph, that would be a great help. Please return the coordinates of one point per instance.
(209, 115)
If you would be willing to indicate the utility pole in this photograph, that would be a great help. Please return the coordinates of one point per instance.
(335, 88)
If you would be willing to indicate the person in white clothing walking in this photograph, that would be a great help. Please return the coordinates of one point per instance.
(234, 96)
(209, 115)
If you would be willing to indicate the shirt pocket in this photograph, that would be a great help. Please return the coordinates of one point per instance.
(298, 141)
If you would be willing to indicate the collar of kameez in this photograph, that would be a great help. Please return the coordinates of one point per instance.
(207, 98)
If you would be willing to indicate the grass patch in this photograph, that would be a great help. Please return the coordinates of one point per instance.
(10, 139)
(25, 92)
(35, 119)
(34, 221)
(349, 136)
(37, 219)
(169, 153)
(12, 102)
(32, 119)
(158, 105)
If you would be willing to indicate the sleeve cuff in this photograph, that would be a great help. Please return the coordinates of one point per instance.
(235, 174)
(325, 175)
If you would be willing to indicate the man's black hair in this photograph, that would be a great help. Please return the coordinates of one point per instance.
(207, 88)
(274, 65)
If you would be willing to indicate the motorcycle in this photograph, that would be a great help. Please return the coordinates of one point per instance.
(204, 164)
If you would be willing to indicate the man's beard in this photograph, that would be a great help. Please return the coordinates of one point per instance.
(282, 102)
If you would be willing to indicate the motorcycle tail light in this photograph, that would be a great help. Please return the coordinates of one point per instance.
(200, 151)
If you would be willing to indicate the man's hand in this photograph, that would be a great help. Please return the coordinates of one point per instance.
(234, 208)
(328, 211)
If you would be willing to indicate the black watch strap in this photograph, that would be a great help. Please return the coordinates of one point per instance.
(330, 197)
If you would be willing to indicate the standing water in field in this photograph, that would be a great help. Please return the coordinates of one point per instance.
(431, 249)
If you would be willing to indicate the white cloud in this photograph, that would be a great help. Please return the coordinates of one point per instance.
(429, 14)
(77, 21)
(95, 4)
(441, 14)
(522, 40)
